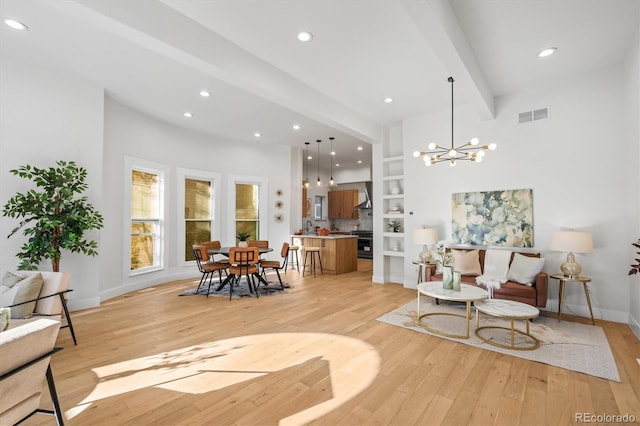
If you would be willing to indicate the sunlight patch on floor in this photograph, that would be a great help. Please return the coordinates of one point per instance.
(352, 367)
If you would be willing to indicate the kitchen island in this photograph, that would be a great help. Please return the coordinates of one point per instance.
(339, 252)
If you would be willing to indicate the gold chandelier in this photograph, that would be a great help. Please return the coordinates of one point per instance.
(470, 151)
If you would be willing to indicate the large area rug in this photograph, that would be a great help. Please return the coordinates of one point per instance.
(239, 290)
(577, 347)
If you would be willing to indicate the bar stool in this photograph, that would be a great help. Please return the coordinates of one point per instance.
(293, 251)
(314, 251)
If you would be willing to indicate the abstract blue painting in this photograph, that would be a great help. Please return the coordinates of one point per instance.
(493, 218)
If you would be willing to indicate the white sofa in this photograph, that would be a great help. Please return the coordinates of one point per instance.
(25, 352)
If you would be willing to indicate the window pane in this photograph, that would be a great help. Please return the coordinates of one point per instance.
(142, 245)
(197, 199)
(196, 232)
(145, 195)
(249, 227)
(246, 201)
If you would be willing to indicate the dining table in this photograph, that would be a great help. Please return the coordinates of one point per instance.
(225, 252)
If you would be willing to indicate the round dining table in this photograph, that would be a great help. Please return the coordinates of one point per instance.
(225, 252)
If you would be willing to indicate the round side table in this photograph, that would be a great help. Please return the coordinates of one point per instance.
(580, 279)
(422, 266)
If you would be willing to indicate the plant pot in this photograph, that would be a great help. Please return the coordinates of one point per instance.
(243, 244)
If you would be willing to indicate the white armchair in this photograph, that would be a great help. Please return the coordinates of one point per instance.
(51, 302)
(25, 351)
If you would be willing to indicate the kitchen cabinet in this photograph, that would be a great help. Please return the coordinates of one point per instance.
(342, 204)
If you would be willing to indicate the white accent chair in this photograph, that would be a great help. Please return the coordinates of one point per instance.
(51, 302)
(25, 352)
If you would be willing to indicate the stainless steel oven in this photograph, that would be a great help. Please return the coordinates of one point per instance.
(365, 244)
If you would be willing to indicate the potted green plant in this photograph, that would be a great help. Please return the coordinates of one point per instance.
(53, 217)
(394, 225)
(242, 238)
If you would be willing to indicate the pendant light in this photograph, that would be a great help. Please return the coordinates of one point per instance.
(306, 160)
(331, 154)
(319, 183)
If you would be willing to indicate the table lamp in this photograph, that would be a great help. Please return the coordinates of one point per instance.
(571, 242)
(426, 237)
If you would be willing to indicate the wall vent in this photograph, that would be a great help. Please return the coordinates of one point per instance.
(534, 115)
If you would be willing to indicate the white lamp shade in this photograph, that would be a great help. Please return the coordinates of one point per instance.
(425, 236)
(571, 241)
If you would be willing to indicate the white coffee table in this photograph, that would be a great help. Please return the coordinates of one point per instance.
(468, 294)
(512, 311)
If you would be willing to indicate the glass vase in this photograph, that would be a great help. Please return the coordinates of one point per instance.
(456, 281)
(447, 277)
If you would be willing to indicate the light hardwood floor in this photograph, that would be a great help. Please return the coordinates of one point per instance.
(315, 355)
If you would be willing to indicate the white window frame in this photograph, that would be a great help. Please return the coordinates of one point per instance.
(162, 172)
(182, 176)
(263, 208)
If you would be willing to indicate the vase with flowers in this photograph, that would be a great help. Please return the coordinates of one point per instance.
(450, 278)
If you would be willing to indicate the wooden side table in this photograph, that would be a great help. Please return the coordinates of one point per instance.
(422, 267)
(580, 279)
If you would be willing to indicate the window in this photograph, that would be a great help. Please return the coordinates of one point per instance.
(196, 211)
(247, 210)
(197, 214)
(144, 211)
(247, 207)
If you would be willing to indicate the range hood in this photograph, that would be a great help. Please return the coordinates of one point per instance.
(368, 190)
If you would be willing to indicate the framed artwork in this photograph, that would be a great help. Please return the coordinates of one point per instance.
(493, 218)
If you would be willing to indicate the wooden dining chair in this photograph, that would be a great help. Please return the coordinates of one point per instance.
(207, 267)
(243, 261)
(214, 245)
(275, 264)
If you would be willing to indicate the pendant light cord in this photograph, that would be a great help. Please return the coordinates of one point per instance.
(451, 81)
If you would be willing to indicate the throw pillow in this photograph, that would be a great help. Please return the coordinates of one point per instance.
(524, 269)
(20, 291)
(5, 318)
(467, 262)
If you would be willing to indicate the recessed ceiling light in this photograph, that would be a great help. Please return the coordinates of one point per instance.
(388, 100)
(547, 52)
(359, 161)
(188, 114)
(359, 148)
(257, 134)
(205, 93)
(305, 36)
(337, 164)
(309, 157)
(296, 127)
(16, 25)
(333, 153)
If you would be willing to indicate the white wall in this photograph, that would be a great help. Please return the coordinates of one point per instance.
(571, 163)
(131, 133)
(632, 79)
(46, 117)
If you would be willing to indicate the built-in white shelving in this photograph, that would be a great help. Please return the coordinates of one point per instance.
(393, 206)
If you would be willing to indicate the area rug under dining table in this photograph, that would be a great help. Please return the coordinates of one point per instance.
(573, 346)
(240, 289)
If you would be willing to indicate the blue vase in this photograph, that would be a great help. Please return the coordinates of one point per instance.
(447, 277)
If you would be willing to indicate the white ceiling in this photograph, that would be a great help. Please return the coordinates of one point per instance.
(156, 56)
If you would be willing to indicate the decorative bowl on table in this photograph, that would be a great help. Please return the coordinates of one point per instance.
(324, 231)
